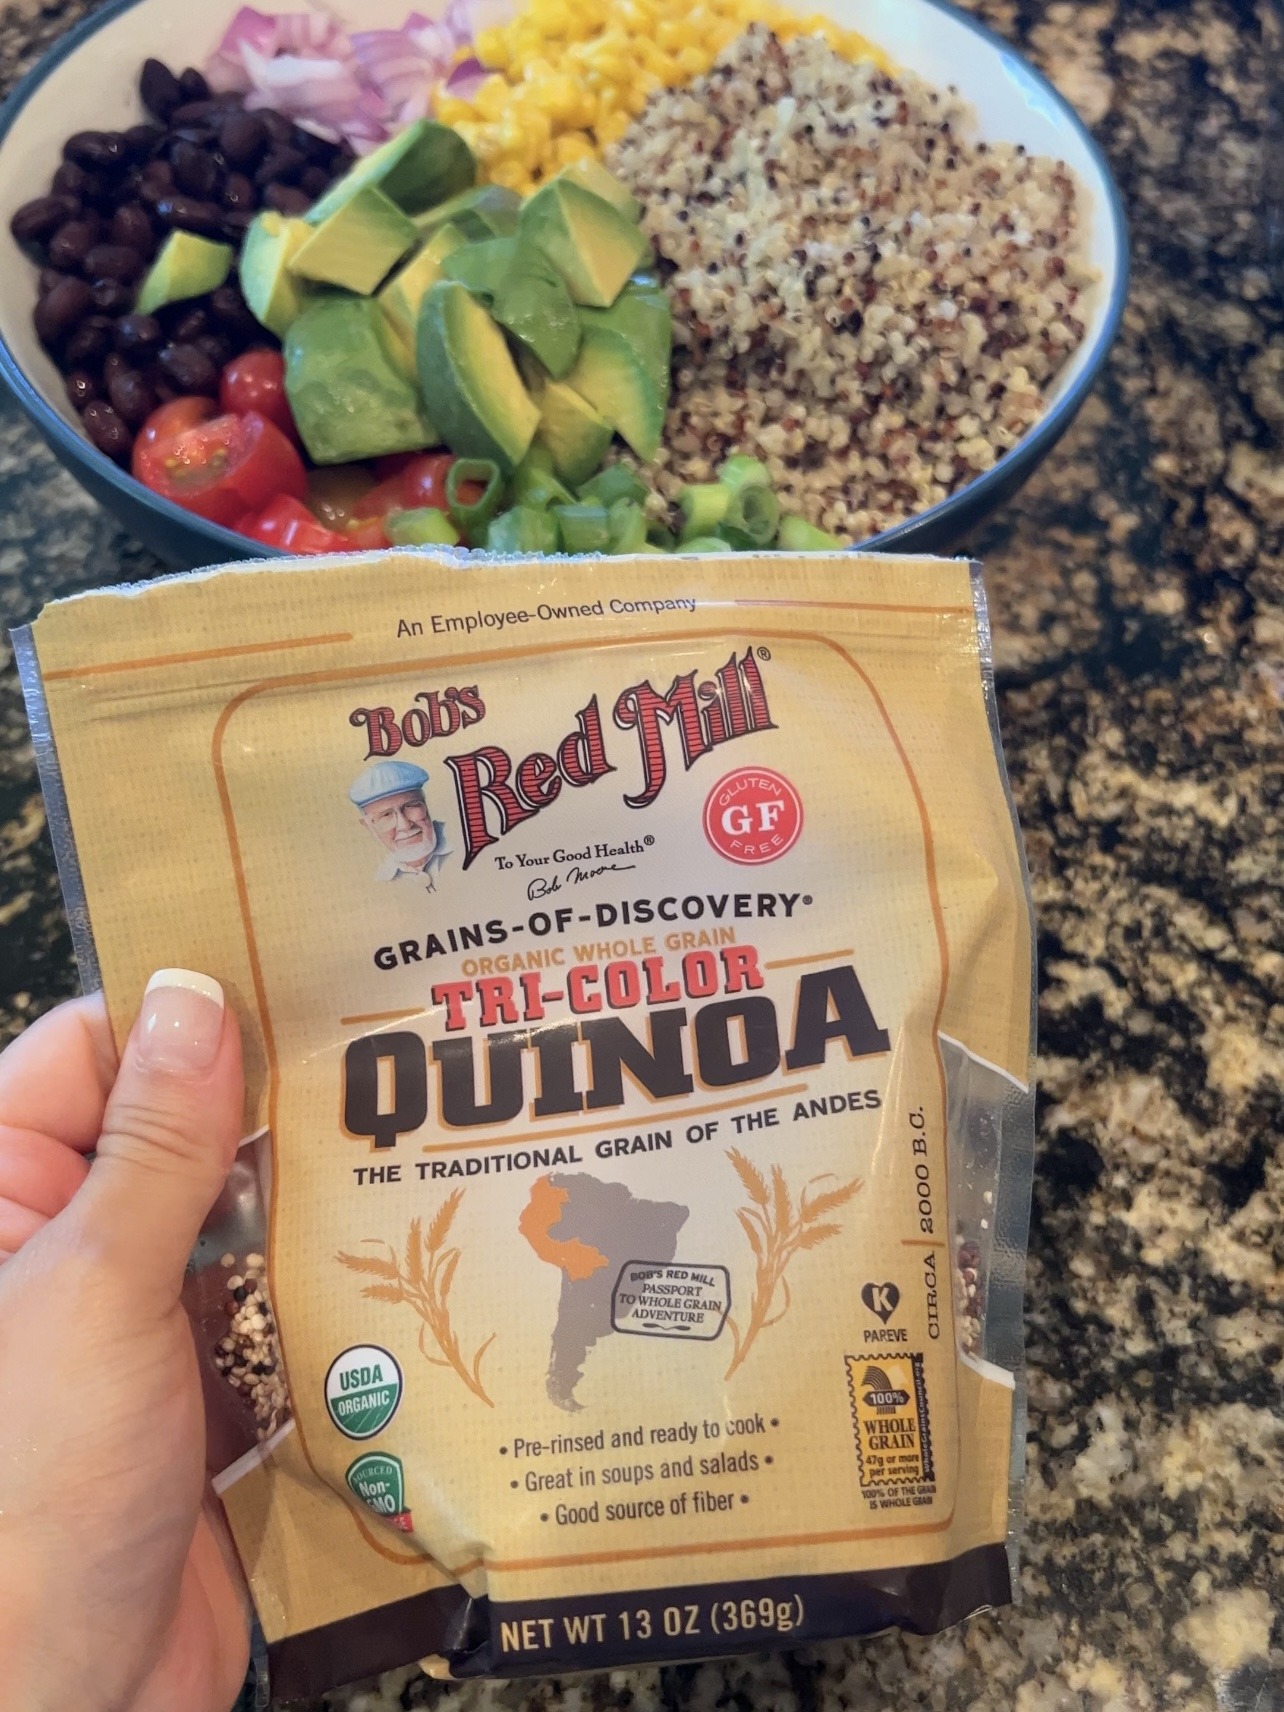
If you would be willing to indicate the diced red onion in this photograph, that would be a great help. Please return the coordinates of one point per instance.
(466, 79)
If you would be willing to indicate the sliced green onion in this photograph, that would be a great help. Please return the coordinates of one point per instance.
(798, 536)
(471, 520)
(661, 538)
(703, 544)
(616, 481)
(523, 529)
(534, 482)
(584, 528)
(742, 471)
(703, 508)
(754, 514)
(628, 527)
(424, 526)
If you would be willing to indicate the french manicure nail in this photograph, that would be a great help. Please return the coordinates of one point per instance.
(181, 1023)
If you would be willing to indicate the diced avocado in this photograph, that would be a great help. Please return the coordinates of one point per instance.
(592, 245)
(487, 211)
(592, 176)
(404, 292)
(532, 303)
(346, 388)
(469, 379)
(612, 376)
(358, 244)
(573, 431)
(187, 266)
(418, 168)
(274, 295)
(482, 266)
(641, 315)
(420, 527)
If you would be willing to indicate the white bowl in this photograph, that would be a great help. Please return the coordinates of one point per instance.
(89, 80)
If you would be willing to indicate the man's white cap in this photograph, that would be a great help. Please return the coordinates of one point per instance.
(385, 779)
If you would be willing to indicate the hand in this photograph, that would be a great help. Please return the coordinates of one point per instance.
(118, 1590)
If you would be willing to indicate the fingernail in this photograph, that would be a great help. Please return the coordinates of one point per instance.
(181, 1023)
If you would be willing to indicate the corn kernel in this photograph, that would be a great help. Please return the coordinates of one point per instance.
(694, 61)
(491, 48)
(573, 146)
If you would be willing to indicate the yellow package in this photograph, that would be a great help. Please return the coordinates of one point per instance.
(634, 960)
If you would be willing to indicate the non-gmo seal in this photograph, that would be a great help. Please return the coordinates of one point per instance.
(753, 815)
(380, 1483)
(363, 1390)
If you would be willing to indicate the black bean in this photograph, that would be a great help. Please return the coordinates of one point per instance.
(189, 369)
(190, 324)
(190, 215)
(278, 127)
(38, 220)
(313, 180)
(82, 388)
(159, 88)
(47, 278)
(132, 399)
(238, 193)
(193, 86)
(62, 309)
(113, 261)
(139, 335)
(130, 225)
(69, 180)
(196, 172)
(105, 428)
(196, 113)
(71, 243)
(97, 151)
(287, 199)
(281, 164)
(140, 140)
(90, 342)
(231, 313)
(164, 392)
(216, 348)
(114, 364)
(242, 138)
(237, 224)
(112, 296)
(101, 190)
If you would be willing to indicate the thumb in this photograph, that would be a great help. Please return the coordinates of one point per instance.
(169, 1133)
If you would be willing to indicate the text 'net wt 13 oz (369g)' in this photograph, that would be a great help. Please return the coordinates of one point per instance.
(636, 983)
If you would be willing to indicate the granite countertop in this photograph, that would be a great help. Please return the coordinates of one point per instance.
(1137, 590)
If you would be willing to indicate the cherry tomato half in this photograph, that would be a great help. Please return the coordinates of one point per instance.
(423, 482)
(167, 422)
(256, 381)
(222, 468)
(287, 523)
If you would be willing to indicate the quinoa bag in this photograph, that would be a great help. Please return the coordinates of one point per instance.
(634, 961)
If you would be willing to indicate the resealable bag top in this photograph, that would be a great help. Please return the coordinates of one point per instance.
(634, 961)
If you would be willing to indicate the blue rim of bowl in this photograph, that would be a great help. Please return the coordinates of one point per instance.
(1030, 448)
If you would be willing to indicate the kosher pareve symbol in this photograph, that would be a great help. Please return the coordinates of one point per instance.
(880, 1299)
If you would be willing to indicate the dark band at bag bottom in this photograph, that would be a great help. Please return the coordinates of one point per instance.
(469, 1632)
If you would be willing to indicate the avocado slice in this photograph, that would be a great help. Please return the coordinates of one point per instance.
(416, 169)
(404, 292)
(350, 397)
(589, 242)
(611, 374)
(575, 433)
(469, 379)
(486, 211)
(187, 266)
(274, 295)
(483, 266)
(641, 315)
(589, 173)
(357, 245)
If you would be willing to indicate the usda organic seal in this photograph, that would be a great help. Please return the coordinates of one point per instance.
(363, 1390)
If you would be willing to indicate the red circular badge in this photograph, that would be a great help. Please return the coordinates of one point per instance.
(753, 815)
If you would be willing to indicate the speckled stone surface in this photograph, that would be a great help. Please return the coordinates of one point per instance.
(1137, 589)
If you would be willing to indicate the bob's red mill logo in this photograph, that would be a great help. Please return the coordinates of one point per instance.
(496, 793)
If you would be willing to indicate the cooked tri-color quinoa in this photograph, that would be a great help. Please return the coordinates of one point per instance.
(864, 298)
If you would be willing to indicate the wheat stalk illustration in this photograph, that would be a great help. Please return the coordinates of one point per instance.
(777, 1230)
(424, 1280)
